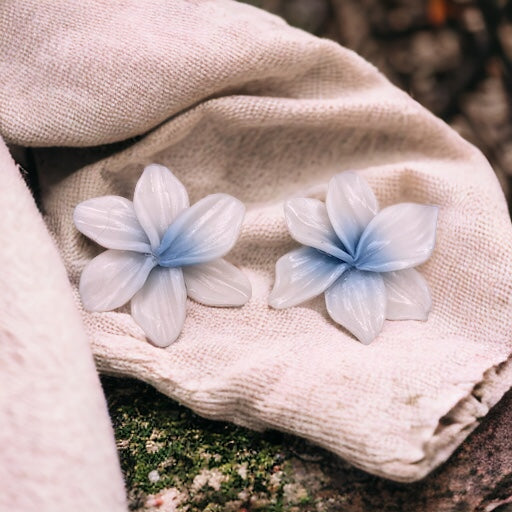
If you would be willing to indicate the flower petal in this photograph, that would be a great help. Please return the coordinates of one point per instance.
(217, 283)
(408, 295)
(204, 232)
(351, 205)
(357, 301)
(158, 199)
(309, 224)
(400, 236)
(303, 274)
(160, 306)
(112, 278)
(111, 222)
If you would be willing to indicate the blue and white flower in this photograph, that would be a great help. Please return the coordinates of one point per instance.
(159, 250)
(361, 258)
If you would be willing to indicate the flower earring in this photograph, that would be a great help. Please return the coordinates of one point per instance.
(361, 258)
(160, 250)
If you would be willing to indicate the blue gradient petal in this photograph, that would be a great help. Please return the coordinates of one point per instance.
(111, 222)
(303, 274)
(357, 301)
(309, 224)
(351, 205)
(158, 199)
(159, 307)
(400, 236)
(202, 233)
(217, 283)
(112, 278)
(408, 295)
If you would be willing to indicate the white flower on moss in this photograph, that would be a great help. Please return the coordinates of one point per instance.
(361, 258)
(159, 250)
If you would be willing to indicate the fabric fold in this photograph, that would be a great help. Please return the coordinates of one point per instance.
(58, 450)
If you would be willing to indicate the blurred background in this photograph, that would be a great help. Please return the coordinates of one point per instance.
(452, 56)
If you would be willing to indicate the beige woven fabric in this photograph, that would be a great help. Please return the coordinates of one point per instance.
(57, 451)
(264, 112)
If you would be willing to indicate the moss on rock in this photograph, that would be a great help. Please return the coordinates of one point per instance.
(210, 464)
(173, 461)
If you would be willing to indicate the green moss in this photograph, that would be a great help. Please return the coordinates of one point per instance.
(154, 433)
(306, 500)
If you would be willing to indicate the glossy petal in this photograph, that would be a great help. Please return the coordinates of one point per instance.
(158, 199)
(303, 274)
(309, 224)
(111, 222)
(408, 296)
(159, 307)
(351, 205)
(112, 278)
(217, 283)
(398, 237)
(357, 301)
(204, 232)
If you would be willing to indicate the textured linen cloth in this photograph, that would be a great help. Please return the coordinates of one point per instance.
(57, 450)
(233, 100)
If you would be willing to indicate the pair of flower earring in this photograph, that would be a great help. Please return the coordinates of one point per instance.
(161, 249)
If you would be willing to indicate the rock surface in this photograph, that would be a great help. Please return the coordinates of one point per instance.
(213, 466)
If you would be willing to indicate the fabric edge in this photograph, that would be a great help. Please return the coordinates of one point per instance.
(451, 431)
(454, 427)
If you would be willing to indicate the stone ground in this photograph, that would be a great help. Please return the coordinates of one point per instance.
(174, 461)
(454, 58)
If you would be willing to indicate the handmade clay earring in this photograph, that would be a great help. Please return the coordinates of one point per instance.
(159, 250)
(361, 258)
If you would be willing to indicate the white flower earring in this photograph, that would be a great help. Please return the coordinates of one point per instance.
(159, 250)
(361, 258)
